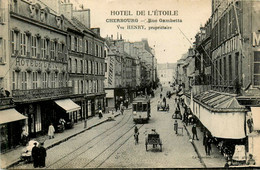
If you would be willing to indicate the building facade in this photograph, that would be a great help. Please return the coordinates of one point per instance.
(166, 73)
(52, 67)
(226, 81)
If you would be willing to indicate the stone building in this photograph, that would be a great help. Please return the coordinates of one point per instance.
(226, 90)
(51, 67)
(35, 66)
(166, 73)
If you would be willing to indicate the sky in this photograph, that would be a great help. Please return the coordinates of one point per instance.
(169, 44)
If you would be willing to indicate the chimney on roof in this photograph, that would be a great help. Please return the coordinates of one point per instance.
(55, 5)
(83, 15)
(66, 9)
(121, 37)
(96, 30)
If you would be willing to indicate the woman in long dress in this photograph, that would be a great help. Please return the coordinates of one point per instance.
(51, 131)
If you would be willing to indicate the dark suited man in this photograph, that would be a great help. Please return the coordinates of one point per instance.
(35, 155)
(42, 155)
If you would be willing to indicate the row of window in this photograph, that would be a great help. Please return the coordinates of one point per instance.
(86, 46)
(34, 46)
(225, 28)
(2, 50)
(256, 72)
(86, 66)
(34, 80)
(226, 70)
(36, 12)
(88, 86)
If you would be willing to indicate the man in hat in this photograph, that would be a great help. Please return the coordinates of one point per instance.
(35, 155)
(175, 126)
(42, 155)
(194, 132)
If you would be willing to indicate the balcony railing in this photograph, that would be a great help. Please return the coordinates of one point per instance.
(41, 93)
(4, 101)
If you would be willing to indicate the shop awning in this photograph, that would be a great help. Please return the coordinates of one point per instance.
(221, 114)
(10, 115)
(68, 105)
(256, 117)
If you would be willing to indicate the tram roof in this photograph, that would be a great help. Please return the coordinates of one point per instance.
(141, 99)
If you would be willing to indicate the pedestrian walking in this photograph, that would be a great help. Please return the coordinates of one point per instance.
(42, 155)
(100, 114)
(136, 134)
(51, 131)
(126, 104)
(194, 132)
(251, 160)
(175, 127)
(136, 129)
(209, 141)
(116, 107)
(205, 143)
(35, 155)
(122, 108)
(24, 137)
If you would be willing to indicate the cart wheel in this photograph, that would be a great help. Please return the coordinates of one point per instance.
(173, 116)
(161, 147)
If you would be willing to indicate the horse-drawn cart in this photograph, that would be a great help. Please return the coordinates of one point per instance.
(153, 139)
(162, 106)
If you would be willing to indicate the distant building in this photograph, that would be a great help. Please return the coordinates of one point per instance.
(166, 73)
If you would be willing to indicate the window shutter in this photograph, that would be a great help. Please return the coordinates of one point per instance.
(80, 45)
(72, 42)
(77, 44)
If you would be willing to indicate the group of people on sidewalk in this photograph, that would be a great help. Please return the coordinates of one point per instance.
(188, 118)
(39, 154)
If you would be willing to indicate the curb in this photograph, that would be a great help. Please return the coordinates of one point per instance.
(195, 148)
(63, 140)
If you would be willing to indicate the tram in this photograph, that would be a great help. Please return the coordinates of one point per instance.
(141, 109)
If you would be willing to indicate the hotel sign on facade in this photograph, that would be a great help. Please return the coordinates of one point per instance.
(227, 47)
(34, 63)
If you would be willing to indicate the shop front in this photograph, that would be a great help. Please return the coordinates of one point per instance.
(33, 125)
(100, 102)
(11, 125)
(67, 110)
(110, 99)
(223, 117)
(90, 105)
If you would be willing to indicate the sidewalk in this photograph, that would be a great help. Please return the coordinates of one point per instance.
(12, 157)
(216, 159)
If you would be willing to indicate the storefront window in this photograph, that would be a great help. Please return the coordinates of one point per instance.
(257, 68)
(4, 137)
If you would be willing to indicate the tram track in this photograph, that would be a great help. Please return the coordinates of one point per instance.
(120, 145)
(85, 144)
